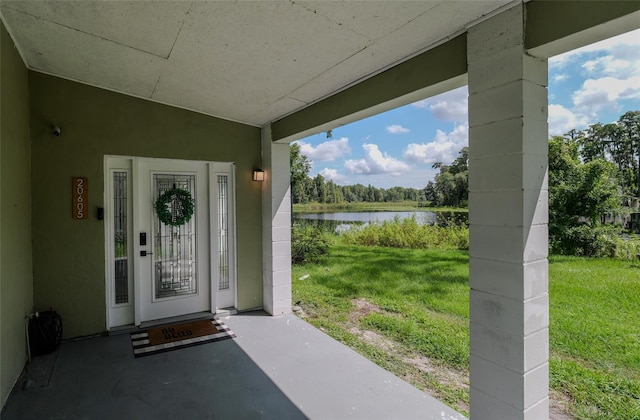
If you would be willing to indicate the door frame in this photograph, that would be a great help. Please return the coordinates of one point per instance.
(114, 162)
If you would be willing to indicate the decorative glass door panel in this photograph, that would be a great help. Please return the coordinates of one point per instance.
(118, 244)
(223, 235)
(120, 237)
(174, 250)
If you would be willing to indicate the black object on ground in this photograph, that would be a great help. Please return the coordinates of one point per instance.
(45, 332)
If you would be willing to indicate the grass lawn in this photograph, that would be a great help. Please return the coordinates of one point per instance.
(408, 311)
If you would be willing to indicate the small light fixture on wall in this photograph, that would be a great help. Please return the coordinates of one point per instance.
(258, 175)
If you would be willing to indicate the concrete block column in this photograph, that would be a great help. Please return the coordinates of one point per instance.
(508, 211)
(276, 226)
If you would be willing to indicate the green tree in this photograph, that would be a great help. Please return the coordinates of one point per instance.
(360, 192)
(580, 195)
(334, 192)
(321, 188)
(619, 143)
(450, 187)
(630, 123)
(370, 194)
(299, 167)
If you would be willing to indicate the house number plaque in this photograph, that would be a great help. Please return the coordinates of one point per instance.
(80, 189)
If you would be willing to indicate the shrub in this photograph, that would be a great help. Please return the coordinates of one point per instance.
(308, 244)
(452, 218)
(585, 240)
(628, 248)
(407, 233)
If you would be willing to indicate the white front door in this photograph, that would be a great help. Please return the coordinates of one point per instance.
(180, 258)
(173, 255)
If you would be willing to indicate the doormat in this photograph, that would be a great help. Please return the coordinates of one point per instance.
(178, 336)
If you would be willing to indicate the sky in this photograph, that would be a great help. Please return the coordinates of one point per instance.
(594, 84)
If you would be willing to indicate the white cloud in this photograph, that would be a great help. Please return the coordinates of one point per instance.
(618, 46)
(448, 106)
(397, 129)
(334, 175)
(375, 162)
(417, 177)
(609, 65)
(597, 94)
(560, 77)
(562, 120)
(444, 148)
(611, 69)
(327, 151)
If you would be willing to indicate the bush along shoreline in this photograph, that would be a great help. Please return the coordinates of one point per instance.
(407, 233)
(311, 240)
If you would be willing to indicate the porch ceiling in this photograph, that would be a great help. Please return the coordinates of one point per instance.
(251, 62)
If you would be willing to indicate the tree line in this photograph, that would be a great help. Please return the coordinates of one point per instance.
(449, 188)
(617, 143)
(594, 182)
(318, 189)
(608, 154)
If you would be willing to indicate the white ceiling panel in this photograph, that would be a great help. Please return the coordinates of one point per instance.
(260, 51)
(373, 19)
(86, 58)
(197, 97)
(247, 61)
(277, 109)
(145, 25)
(423, 32)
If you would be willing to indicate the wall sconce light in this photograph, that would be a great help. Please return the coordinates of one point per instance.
(258, 175)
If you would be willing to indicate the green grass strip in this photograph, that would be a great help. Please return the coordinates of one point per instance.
(419, 302)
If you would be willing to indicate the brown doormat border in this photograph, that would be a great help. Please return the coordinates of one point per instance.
(178, 336)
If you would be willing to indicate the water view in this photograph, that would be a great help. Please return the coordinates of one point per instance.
(341, 221)
(422, 217)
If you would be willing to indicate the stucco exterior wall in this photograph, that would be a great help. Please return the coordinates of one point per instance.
(69, 254)
(16, 278)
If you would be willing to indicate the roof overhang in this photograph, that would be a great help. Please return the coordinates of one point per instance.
(305, 66)
(252, 62)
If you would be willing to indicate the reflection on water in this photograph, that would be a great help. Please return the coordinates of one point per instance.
(342, 221)
(422, 217)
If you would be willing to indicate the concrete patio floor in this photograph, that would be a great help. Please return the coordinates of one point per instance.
(276, 368)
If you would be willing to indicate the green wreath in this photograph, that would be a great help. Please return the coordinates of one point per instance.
(174, 207)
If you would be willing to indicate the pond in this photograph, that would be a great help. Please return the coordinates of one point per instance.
(341, 221)
(422, 217)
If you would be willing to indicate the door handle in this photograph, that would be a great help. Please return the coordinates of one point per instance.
(145, 253)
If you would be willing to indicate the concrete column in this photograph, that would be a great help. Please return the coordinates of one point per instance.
(276, 226)
(509, 300)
